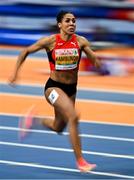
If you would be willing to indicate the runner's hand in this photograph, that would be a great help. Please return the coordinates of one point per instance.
(12, 80)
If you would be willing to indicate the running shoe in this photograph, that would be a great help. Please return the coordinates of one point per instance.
(84, 166)
(26, 122)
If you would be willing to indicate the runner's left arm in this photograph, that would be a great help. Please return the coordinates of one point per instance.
(89, 53)
(40, 44)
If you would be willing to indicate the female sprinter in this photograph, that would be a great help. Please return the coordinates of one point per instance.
(64, 53)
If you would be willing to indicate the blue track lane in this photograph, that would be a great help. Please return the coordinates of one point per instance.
(81, 94)
(11, 149)
(51, 158)
(8, 52)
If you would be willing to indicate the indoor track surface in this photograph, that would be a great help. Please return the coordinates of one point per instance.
(106, 105)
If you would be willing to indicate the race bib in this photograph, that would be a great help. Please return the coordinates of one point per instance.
(53, 96)
(66, 58)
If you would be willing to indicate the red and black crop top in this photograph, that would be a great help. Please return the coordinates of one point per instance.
(65, 55)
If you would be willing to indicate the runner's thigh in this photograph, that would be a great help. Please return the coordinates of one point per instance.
(61, 102)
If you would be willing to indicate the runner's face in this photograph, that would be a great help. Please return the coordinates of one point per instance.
(68, 24)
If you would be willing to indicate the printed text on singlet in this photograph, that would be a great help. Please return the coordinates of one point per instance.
(66, 58)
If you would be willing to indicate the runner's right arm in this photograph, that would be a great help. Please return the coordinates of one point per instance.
(40, 44)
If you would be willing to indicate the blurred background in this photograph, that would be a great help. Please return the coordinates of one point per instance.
(107, 24)
(105, 98)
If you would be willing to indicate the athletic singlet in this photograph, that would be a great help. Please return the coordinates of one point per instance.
(65, 55)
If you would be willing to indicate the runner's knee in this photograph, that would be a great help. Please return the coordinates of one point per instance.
(60, 127)
(74, 118)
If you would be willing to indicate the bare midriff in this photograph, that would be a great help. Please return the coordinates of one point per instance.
(66, 77)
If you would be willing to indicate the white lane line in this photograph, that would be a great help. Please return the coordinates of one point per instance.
(106, 90)
(106, 102)
(65, 150)
(81, 121)
(62, 169)
(29, 84)
(79, 100)
(66, 133)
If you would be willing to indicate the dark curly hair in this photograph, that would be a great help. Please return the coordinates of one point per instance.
(61, 15)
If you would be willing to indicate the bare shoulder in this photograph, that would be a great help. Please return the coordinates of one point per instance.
(82, 41)
(47, 40)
